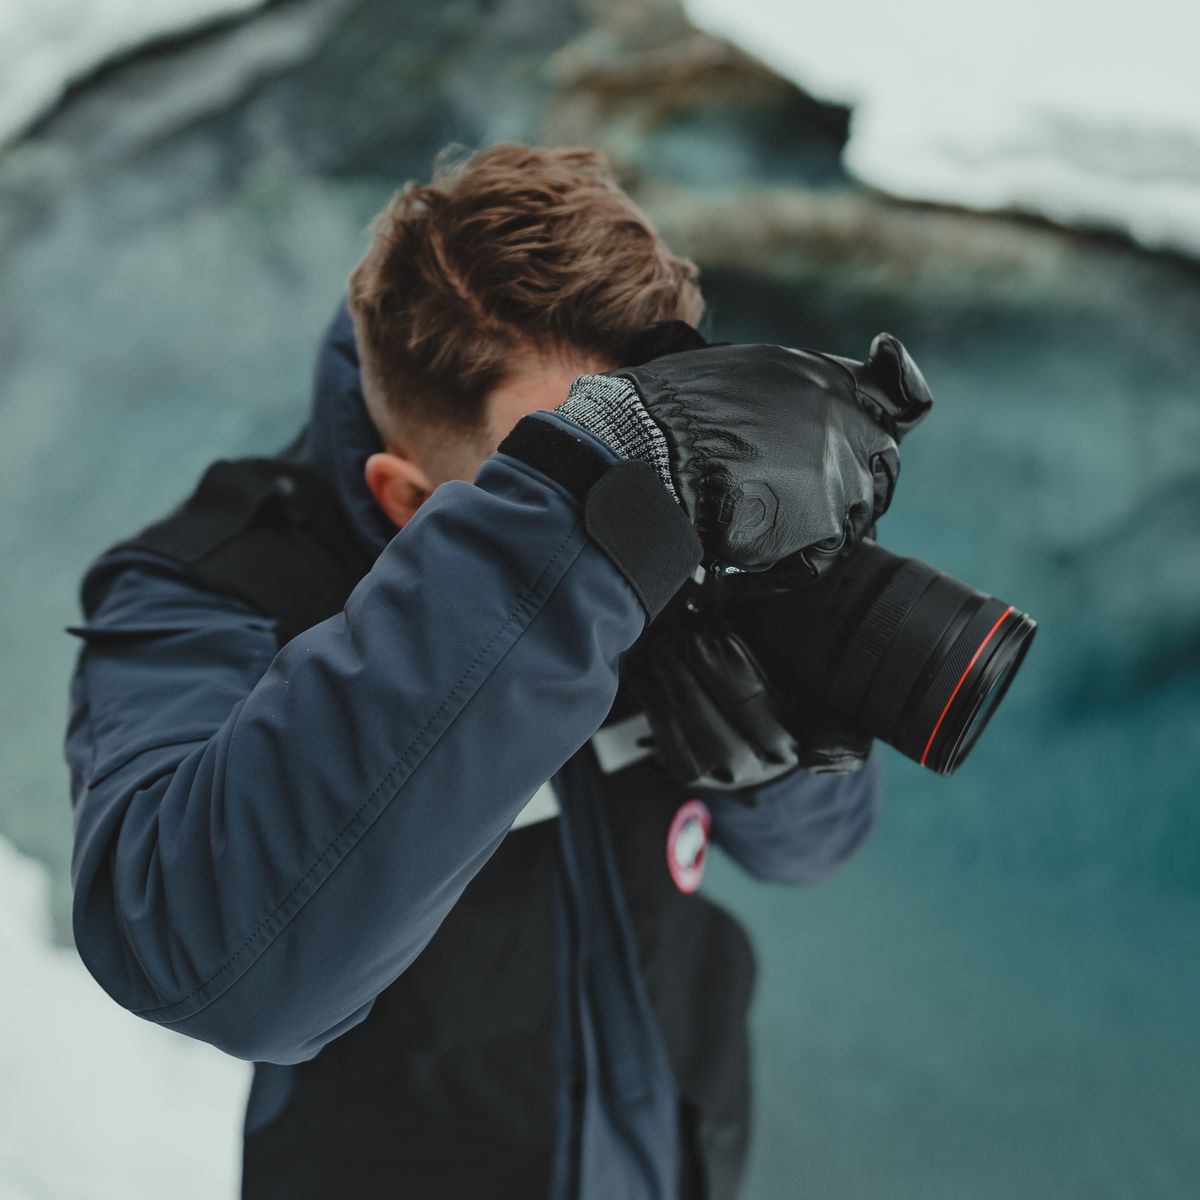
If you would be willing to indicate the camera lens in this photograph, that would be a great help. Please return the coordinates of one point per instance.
(896, 648)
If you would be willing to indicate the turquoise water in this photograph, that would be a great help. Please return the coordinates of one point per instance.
(998, 998)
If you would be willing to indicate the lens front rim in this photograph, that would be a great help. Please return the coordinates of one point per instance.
(985, 681)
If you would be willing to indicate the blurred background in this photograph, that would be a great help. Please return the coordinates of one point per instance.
(999, 997)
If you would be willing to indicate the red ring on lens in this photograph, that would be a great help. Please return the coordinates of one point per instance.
(962, 678)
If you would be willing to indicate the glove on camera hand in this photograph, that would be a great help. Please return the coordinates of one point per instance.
(718, 721)
(774, 454)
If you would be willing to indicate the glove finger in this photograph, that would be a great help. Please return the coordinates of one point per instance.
(820, 556)
(671, 742)
(891, 386)
(827, 748)
(885, 472)
(714, 743)
(727, 668)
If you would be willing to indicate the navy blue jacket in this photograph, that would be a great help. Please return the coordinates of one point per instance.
(266, 838)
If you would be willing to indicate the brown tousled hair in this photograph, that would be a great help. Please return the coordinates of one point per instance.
(515, 249)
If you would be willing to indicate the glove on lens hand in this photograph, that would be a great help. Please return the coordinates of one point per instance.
(827, 748)
(717, 719)
(774, 454)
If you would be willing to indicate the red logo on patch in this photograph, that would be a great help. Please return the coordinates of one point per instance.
(687, 844)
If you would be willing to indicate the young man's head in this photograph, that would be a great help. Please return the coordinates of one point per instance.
(485, 292)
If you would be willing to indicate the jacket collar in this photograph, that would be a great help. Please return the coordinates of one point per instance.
(341, 435)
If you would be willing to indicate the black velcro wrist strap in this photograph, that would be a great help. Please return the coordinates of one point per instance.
(626, 510)
(568, 460)
(638, 524)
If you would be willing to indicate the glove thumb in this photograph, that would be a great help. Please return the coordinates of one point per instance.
(891, 387)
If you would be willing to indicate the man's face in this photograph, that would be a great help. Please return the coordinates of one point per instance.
(402, 477)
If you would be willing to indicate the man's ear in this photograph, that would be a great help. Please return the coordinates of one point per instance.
(398, 484)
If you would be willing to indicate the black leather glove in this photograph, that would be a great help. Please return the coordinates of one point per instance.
(828, 748)
(774, 454)
(717, 719)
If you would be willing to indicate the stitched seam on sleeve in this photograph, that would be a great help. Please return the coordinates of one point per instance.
(522, 603)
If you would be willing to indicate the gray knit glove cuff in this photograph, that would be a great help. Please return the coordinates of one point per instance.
(612, 410)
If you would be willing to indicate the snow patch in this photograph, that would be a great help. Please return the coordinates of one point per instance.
(96, 1103)
(1087, 114)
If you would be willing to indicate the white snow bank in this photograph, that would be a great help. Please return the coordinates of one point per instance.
(1085, 113)
(94, 1102)
(47, 44)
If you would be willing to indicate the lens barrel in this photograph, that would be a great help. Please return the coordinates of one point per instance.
(896, 648)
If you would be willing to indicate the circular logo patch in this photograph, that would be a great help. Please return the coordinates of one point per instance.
(687, 844)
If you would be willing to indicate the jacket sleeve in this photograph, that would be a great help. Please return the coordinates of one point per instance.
(801, 828)
(265, 839)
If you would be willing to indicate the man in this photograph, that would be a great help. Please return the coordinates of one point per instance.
(339, 806)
